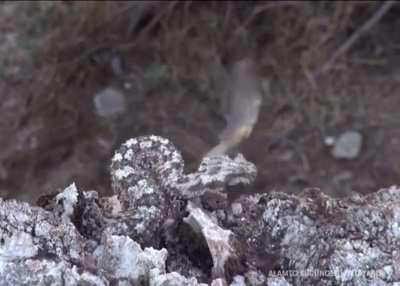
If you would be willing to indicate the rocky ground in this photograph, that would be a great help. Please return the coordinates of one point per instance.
(166, 228)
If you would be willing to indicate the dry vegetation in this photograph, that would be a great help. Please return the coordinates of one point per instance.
(176, 53)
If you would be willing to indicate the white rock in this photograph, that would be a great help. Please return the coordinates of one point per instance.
(109, 102)
(19, 245)
(277, 281)
(348, 145)
(237, 209)
(219, 282)
(126, 260)
(218, 239)
(238, 280)
(329, 140)
(173, 279)
(255, 278)
(69, 198)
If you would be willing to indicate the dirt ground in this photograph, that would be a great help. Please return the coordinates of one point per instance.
(168, 61)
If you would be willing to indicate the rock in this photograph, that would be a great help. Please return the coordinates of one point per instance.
(329, 140)
(237, 209)
(158, 212)
(219, 241)
(219, 282)
(46, 272)
(109, 102)
(238, 280)
(347, 146)
(278, 281)
(174, 279)
(68, 199)
(124, 259)
(255, 278)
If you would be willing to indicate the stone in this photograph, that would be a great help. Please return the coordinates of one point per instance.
(219, 240)
(255, 278)
(109, 102)
(347, 146)
(238, 280)
(237, 209)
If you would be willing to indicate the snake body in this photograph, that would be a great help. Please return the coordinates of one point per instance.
(148, 178)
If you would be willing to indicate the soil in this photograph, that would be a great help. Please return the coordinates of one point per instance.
(51, 137)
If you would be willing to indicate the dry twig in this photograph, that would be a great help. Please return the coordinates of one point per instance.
(355, 36)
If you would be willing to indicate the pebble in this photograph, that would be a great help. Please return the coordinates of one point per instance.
(109, 102)
(347, 146)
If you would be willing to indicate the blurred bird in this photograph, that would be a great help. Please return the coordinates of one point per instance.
(242, 106)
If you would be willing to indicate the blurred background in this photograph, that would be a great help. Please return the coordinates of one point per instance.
(79, 78)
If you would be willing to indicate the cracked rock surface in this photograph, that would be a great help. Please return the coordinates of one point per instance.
(163, 227)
